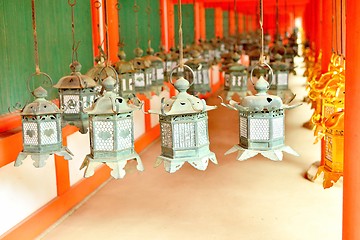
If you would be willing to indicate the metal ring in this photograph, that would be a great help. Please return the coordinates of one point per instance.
(72, 4)
(113, 69)
(178, 66)
(37, 74)
(136, 8)
(118, 6)
(261, 66)
(97, 4)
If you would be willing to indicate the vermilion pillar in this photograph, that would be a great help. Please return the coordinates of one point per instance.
(240, 22)
(219, 31)
(171, 23)
(326, 34)
(112, 19)
(197, 24)
(351, 188)
(164, 24)
(202, 21)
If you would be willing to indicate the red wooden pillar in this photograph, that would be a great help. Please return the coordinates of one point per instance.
(219, 31)
(318, 27)
(231, 22)
(164, 24)
(351, 188)
(171, 23)
(113, 29)
(240, 22)
(326, 34)
(202, 21)
(197, 23)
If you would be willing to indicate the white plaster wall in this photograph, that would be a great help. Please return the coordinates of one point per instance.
(215, 78)
(23, 190)
(155, 104)
(79, 145)
(139, 123)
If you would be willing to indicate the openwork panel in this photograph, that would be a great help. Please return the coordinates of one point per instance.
(282, 78)
(328, 110)
(124, 134)
(139, 79)
(30, 133)
(103, 136)
(278, 127)
(243, 127)
(166, 135)
(328, 147)
(71, 104)
(49, 132)
(202, 131)
(259, 129)
(184, 135)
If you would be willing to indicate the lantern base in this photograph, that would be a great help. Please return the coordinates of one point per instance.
(272, 154)
(40, 158)
(329, 177)
(116, 164)
(171, 165)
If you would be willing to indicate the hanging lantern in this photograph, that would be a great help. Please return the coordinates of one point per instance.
(76, 92)
(200, 79)
(157, 68)
(111, 133)
(333, 158)
(142, 73)
(41, 124)
(126, 75)
(236, 76)
(261, 128)
(184, 130)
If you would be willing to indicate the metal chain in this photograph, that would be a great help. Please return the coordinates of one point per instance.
(75, 45)
(136, 9)
(180, 37)
(261, 60)
(36, 52)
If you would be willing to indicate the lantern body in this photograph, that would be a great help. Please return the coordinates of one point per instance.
(126, 84)
(261, 125)
(142, 75)
(200, 79)
(280, 77)
(76, 92)
(236, 77)
(111, 133)
(41, 123)
(184, 131)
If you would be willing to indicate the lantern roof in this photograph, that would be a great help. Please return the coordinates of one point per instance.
(183, 103)
(279, 65)
(153, 59)
(124, 67)
(40, 106)
(110, 102)
(76, 80)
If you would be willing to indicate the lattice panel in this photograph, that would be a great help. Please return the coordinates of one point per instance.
(124, 134)
(236, 80)
(202, 132)
(30, 133)
(104, 135)
(328, 110)
(282, 79)
(159, 73)
(243, 127)
(71, 104)
(49, 133)
(166, 135)
(139, 79)
(259, 129)
(278, 127)
(184, 135)
(328, 147)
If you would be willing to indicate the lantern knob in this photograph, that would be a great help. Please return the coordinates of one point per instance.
(75, 66)
(121, 54)
(138, 52)
(150, 51)
(40, 92)
(235, 57)
(182, 84)
(109, 83)
(261, 86)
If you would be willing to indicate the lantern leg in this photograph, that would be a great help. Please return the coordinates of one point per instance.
(311, 173)
(118, 167)
(65, 152)
(90, 165)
